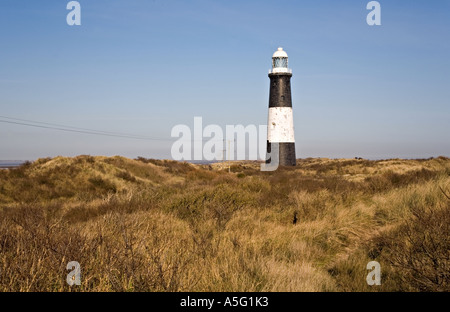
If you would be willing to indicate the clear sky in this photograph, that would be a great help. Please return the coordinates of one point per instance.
(142, 67)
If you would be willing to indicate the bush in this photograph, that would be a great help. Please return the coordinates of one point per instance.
(418, 250)
(100, 183)
(125, 175)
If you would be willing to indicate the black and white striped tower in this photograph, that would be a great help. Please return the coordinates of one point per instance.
(280, 126)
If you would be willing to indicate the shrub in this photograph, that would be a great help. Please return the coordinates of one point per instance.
(100, 183)
(125, 175)
(418, 250)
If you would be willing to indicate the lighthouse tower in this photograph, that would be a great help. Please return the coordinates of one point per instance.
(280, 126)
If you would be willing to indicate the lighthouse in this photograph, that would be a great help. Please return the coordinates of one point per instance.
(280, 126)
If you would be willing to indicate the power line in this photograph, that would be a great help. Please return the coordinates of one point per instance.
(60, 127)
(93, 132)
(71, 127)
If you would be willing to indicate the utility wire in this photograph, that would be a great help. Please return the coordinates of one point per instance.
(59, 127)
(70, 127)
(94, 132)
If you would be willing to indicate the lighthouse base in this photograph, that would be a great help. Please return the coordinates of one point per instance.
(286, 153)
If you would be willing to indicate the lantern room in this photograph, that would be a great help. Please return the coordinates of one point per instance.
(280, 62)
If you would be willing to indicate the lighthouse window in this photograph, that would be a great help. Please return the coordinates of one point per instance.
(280, 62)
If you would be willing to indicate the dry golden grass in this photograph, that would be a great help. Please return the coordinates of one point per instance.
(159, 225)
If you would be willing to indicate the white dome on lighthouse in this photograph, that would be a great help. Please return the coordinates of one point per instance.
(280, 53)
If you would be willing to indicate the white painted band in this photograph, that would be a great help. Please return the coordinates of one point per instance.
(280, 126)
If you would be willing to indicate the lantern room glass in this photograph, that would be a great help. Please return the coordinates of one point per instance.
(280, 62)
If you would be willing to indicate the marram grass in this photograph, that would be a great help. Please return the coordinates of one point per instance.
(155, 225)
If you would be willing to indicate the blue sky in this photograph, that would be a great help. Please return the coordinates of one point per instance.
(142, 67)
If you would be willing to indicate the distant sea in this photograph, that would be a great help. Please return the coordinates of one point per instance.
(6, 164)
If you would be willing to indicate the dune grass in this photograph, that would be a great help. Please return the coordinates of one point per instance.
(159, 225)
